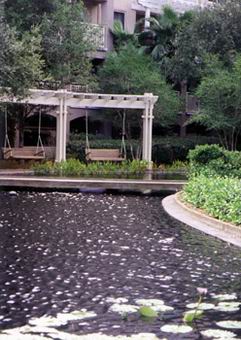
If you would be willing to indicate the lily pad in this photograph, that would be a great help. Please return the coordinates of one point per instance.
(201, 306)
(228, 306)
(225, 297)
(116, 300)
(149, 302)
(218, 333)
(176, 329)
(162, 308)
(192, 315)
(124, 309)
(75, 315)
(19, 336)
(148, 312)
(229, 324)
(47, 321)
(156, 304)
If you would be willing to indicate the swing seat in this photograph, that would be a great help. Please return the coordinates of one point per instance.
(104, 155)
(25, 153)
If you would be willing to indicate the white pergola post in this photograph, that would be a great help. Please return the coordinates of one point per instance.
(64, 133)
(59, 131)
(145, 133)
(147, 129)
(150, 127)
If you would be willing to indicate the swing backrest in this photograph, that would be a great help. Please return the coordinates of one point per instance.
(112, 155)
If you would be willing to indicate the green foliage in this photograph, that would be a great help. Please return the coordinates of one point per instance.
(76, 146)
(122, 37)
(203, 154)
(67, 41)
(73, 167)
(24, 14)
(217, 29)
(147, 312)
(22, 61)
(214, 160)
(185, 64)
(166, 150)
(218, 196)
(192, 315)
(219, 94)
(173, 46)
(129, 71)
(176, 166)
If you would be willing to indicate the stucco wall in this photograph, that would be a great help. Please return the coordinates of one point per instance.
(125, 6)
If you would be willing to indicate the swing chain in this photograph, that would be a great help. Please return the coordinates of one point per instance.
(39, 141)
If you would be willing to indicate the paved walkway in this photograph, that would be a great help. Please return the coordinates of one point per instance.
(209, 225)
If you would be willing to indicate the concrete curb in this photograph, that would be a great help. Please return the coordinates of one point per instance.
(59, 183)
(198, 220)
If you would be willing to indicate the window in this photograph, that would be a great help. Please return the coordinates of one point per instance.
(120, 17)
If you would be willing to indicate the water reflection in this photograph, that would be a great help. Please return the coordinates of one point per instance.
(62, 252)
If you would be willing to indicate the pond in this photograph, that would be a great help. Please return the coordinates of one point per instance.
(66, 252)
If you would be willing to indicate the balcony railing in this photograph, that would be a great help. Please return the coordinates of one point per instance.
(97, 35)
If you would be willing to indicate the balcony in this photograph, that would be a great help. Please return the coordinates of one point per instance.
(97, 35)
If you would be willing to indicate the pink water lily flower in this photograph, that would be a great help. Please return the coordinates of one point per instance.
(202, 291)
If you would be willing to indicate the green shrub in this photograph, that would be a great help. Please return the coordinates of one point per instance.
(212, 159)
(218, 196)
(177, 166)
(73, 167)
(203, 154)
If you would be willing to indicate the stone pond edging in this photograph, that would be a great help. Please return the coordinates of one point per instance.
(197, 219)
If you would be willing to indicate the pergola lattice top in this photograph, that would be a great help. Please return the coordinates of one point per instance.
(85, 100)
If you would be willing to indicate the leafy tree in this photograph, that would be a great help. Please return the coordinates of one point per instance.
(219, 93)
(173, 48)
(217, 29)
(159, 40)
(21, 64)
(68, 42)
(23, 14)
(129, 71)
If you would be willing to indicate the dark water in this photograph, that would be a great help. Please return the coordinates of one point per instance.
(68, 251)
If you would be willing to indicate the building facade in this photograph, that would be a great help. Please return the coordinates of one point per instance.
(102, 13)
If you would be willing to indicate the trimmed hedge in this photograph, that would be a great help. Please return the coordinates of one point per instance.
(212, 159)
(166, 150)
(219, 197)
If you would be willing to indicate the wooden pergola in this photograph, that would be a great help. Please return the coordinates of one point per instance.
(63, 99)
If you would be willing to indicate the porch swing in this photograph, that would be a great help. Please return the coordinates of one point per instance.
(105, 155)
(24, 153)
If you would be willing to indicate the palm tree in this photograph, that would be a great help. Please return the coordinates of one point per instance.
(159, 41)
